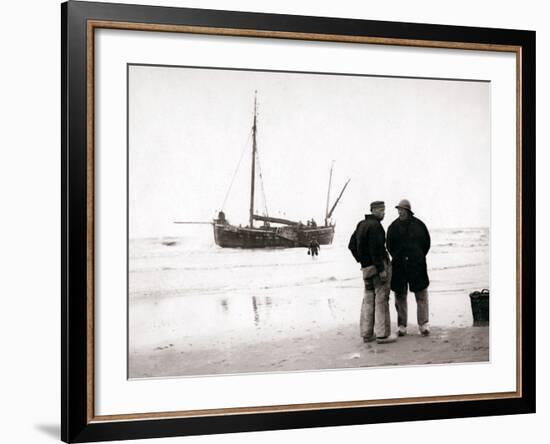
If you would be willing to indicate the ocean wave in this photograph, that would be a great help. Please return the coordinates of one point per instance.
(476, 248)
(291, 262)
(247, 287)
(452, 267)
(224, 267)
(446, 244)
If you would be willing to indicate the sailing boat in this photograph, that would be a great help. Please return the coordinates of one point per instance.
(286, 234)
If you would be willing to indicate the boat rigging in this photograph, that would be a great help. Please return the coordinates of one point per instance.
(287, 234)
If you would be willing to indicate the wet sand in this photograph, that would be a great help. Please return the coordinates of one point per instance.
(338, 348)
(223, 311)
(274, 331)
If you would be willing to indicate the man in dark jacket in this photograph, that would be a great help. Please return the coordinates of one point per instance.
(313, 248)
(368, 246)
(408, 243)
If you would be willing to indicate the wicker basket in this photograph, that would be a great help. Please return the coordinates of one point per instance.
(480, 307)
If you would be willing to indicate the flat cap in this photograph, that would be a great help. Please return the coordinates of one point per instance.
(377, 204)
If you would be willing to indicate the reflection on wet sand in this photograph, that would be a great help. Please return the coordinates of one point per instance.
(261, 307)
(225, 305)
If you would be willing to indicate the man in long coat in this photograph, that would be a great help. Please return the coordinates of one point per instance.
(367, 244)
(408, 243)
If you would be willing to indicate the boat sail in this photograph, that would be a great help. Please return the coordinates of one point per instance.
(286, 234)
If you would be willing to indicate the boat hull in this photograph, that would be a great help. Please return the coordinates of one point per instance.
(230, 236)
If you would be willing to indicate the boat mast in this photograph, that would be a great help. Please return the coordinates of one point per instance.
(253, 172)
(338, 199)
(328, 193)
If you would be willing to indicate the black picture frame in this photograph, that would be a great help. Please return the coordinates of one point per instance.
(78, 423)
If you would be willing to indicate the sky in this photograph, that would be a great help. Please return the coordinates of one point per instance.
(426, 140)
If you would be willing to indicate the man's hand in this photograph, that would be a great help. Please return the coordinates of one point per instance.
(383, 275)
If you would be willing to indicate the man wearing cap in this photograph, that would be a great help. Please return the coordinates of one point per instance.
(368, 246)
(409, 243)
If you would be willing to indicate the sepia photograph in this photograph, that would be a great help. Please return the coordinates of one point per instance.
(286, 221)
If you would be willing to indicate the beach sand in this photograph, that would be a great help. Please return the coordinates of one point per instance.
(339, 348)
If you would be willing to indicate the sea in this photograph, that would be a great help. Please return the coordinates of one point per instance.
(189, 289)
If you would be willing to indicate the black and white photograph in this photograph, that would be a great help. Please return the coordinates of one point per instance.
(286, 221)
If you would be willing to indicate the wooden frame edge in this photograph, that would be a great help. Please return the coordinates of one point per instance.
(95, 24)
(336, 38)
(285, 408)
(90, 254)
(103, 24)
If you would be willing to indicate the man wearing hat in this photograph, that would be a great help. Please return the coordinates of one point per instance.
(409, 243)
(368, 246)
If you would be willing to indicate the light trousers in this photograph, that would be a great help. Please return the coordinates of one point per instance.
(422, 307)
(375, 310)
